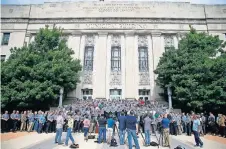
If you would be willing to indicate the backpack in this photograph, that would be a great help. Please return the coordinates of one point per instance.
(91, 137)
(113, 142)
(154, 143)
(179, 147)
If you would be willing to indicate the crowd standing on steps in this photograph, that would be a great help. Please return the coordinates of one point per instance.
(129, 117)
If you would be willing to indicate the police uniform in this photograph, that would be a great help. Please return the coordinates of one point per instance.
(48, 124)
(12, 116)
(31, 120)
(5, 122)
(36, 118)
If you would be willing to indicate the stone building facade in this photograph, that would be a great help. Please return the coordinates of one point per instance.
(118, 43)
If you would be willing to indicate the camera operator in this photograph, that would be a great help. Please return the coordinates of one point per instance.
(147, 129)
(132, 129)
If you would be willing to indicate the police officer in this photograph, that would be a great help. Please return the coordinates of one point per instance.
(36, 117)
(14, 121)
(42, 121)
(5, 122)
(49, 121)
(30, 121)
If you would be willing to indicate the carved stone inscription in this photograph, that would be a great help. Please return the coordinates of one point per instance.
(119, 7)
(115, 78)
(7, 26)
(144, 78)
(87, 77)
(117, 26)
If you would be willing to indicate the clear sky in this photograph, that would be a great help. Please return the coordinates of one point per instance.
(42, 1)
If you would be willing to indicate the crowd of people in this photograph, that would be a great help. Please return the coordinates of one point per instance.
(126, 117)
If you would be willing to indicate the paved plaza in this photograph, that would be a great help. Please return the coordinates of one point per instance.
(46, 141)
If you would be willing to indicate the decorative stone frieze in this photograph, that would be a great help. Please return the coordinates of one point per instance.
(115, 79)
(87, 77)
(89, 40)
(116, 40)
(144, 78)
(142, 41)
(168, 40)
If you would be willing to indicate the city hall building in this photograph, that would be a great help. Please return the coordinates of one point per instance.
(119, 43)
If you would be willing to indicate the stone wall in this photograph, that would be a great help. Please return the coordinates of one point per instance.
(127, 20)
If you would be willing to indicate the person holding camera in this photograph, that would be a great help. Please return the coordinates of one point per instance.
(132, 129)
(147, 129)
(122, 127)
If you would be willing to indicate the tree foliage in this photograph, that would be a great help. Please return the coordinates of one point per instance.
(34, 74)
(196, 75)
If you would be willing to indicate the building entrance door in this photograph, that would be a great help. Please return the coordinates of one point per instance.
(115, 94)
(87, 94)
(144, 94)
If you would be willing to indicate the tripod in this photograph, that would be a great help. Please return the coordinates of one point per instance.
(161, 139)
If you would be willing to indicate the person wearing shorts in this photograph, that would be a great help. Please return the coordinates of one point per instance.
(110, 124)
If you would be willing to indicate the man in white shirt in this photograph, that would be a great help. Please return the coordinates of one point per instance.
(59, 128)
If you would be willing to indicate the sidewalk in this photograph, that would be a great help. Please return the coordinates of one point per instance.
(188, 142)
(92, 145)
(24, 141)
(11, 135)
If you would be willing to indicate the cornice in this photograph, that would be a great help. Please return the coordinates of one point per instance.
(116, 20)
(156, 34)
(99, 20)
(102, 33)
(14, 20)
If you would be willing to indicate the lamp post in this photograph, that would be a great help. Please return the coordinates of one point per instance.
(61, 97)
(169, 92)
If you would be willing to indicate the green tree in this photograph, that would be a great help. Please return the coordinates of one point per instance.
(195, 74)
(34, 74)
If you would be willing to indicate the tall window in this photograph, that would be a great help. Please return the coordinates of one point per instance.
(115, 59)
(5, 38)
(87, 94)
(88, 58)
(143, 59)
(169, 42)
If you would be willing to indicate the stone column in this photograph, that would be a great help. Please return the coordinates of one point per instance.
(74, 44)
(175, 41)
(135, 65)
(158, 50)
(81, 49)
(130, 60)
(32, 38)
(27, 39)
(123, 67)
(151, 66)
(108, 66)
(99, 67)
